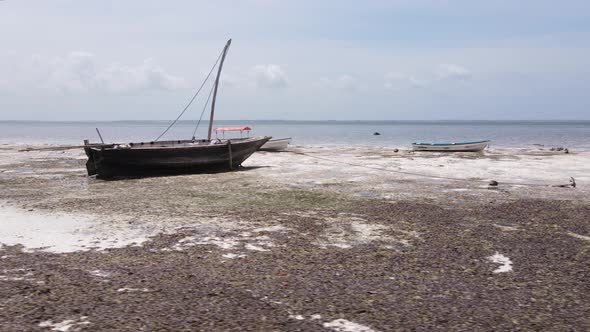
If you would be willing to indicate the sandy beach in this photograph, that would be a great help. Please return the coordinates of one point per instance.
(316, 239)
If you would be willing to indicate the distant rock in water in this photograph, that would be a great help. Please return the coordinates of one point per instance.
(566, 150)
(376, 133)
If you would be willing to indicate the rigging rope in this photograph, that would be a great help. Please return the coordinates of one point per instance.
(419, 174)
(203, 111)
(192, 99)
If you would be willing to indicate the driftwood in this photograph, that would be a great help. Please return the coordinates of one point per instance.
(494, 184)
(571, 184)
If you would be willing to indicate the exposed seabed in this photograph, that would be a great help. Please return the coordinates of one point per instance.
(341, 239)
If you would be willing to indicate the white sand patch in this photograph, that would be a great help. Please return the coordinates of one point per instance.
(232, 255)
(254, 247)
(244, 241)
(578, 236)
(347, 231)
(100, 273)
(226, 243)
(263, 241)
(129, 290)
(304, 214)
(505, 165)
(61, 233)
(65, 325)
(338, 325)
(17, 275)
(506, 263)
(224, 238)
(343, 325)
(506, 228)
(337, 244)
(271, 229)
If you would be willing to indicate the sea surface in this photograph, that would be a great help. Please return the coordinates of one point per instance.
(399, 134)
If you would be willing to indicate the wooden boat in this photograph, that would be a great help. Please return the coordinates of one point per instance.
(172, 157)
(169, 157)
(451, 147)
(274, 145)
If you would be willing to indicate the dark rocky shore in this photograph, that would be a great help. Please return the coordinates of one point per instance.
(422, 263)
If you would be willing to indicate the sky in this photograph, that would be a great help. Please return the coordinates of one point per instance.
(296, 60)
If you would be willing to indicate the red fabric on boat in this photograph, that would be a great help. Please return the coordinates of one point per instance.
(233, 129)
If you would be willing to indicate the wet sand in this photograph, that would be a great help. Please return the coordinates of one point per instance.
(299, 242)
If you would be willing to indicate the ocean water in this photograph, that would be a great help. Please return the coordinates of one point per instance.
(399, 134)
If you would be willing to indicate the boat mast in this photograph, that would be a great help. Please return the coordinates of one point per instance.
(215, 90)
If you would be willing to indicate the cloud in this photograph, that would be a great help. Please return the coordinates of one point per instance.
(346, 83)
(444, 72)
(147, 75)
(398, 81)
(81, 72)
(269, 76)
(231, 80)
(262, 76)
(343, 82)
(450, 71)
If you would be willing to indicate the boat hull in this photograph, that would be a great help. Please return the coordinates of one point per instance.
(177, 157)
(276, 145)
(451, 147)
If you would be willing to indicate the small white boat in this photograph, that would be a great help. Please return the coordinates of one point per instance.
(451, 147)
(278, 144)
